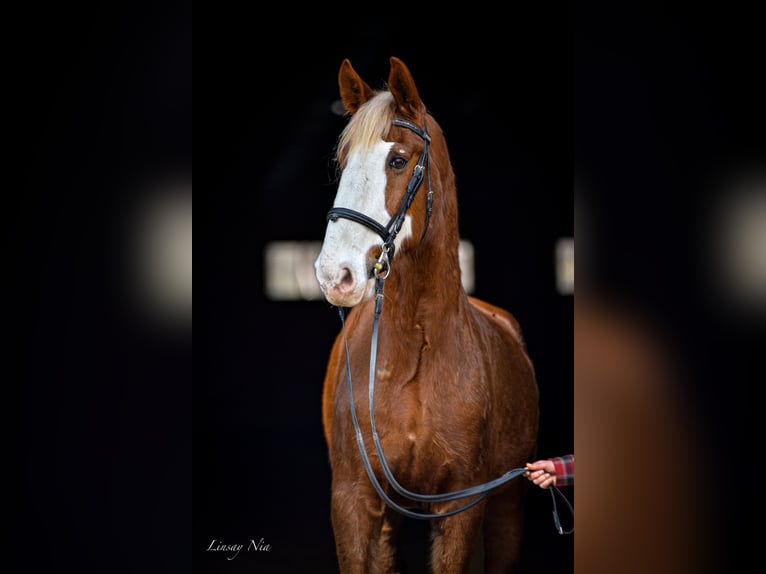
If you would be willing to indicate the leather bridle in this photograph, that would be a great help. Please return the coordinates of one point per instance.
(389, 231)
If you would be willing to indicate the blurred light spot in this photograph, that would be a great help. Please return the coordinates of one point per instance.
(741, 245)
(289, 270)
(338, 108)
(467, 276)
(162, 257)
(565, 265)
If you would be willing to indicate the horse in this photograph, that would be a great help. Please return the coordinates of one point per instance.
(456, 400)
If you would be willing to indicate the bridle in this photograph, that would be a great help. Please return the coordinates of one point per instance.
(381, 271)
(389, 231)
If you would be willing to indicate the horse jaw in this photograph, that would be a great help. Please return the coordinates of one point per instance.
(343, 267)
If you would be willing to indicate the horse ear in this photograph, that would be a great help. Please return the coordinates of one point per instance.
(354, 91)
(406, 96)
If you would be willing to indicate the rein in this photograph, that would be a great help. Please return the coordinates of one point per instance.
(380, 272)
(479, 491)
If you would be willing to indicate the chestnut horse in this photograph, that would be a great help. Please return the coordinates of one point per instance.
(456, 404)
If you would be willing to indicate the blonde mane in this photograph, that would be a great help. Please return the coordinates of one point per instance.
(367, 126)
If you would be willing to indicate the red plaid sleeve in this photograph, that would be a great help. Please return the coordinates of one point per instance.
(564, 466)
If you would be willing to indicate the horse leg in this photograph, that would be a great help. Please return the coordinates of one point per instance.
(503, 528)
(454, 540)
(363, 536)
(387, 555)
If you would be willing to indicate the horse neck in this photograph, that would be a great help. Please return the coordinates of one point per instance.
(424, 287)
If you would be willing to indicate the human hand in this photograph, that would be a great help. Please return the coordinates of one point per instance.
(542, 473)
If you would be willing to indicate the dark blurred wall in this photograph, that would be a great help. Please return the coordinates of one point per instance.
(669, 162)
(97, 285)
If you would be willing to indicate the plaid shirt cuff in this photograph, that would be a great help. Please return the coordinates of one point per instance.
(564, 466)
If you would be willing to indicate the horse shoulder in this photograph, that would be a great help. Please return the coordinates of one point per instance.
(501, 317)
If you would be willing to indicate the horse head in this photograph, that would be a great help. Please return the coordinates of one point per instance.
(383, 159)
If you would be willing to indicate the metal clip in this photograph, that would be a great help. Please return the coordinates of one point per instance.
(382, 267)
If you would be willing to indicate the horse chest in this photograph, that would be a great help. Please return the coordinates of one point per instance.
(421, 438)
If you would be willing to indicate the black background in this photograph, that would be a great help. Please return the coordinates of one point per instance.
(101, 412)
(98, 403)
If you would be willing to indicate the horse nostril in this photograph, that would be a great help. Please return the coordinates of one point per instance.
(346, 280)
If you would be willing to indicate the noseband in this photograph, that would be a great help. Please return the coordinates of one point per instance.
(389, 231)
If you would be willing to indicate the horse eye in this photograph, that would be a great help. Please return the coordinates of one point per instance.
(397, 162)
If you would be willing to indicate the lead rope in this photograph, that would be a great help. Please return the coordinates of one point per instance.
(557, 523)
(480, 491)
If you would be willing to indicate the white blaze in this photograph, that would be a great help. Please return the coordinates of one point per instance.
(342, 268)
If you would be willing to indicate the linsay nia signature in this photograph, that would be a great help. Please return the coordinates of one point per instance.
(231, 551)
